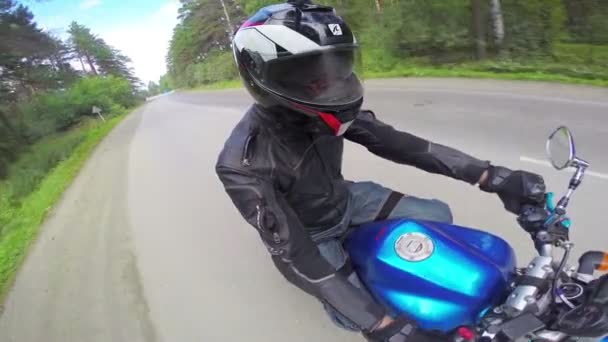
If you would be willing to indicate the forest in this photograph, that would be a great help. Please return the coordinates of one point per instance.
(48, 89)
(529, 39)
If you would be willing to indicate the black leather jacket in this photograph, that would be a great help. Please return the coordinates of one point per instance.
(287, 183)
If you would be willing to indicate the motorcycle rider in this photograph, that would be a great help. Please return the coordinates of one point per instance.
(281, 165)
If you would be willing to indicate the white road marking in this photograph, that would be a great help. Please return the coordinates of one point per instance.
(546, 163)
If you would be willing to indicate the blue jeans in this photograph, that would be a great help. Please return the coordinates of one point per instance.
(367, 199)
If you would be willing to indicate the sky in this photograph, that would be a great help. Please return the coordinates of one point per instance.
(140, 29)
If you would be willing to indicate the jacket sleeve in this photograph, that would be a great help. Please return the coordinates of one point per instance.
(404, 148)
(264, 208)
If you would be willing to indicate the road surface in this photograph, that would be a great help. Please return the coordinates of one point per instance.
(146, 246)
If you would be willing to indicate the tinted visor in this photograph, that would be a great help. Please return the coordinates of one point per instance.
(322, 78)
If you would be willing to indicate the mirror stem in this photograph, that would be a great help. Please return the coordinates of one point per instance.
(575, 181)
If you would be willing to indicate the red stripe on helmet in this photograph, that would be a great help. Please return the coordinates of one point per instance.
(331, 121)
(251, 24)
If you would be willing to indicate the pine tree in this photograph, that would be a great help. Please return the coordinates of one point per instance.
(101, 58)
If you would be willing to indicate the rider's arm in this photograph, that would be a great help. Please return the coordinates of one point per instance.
(286, 239)
(404, 148)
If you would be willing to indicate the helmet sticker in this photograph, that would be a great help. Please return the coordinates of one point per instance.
(335, 29)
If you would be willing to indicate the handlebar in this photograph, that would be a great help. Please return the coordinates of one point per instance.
(547, 224)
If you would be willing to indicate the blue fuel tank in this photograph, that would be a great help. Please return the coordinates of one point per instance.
(442, 275)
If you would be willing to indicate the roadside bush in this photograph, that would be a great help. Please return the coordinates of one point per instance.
(532, 26)
(27, 172)
(58, 111)
(9, 147)
(217, 66)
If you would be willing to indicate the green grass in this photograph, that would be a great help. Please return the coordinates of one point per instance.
(570, 63)
(477, 71)
(32, 166)
(21, 222)
(542, 72)
(472, 70)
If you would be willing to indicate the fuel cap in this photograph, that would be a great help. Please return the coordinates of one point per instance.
(414, 247)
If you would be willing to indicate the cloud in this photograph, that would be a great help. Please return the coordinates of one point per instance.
(146, 40)
(88, 4)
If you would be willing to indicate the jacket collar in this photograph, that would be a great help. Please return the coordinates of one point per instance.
(288, 123)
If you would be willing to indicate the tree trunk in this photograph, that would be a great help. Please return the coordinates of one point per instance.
(228, 21)
(90, 62)
(82, 63)
(498, 22)
(378, 6)
(478, 29)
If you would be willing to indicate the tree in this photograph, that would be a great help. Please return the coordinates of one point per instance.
(99, 56)
(227, 20)
(586, 20)
(378, 6)
(30, 60)
(497, 22)
(204, 25)
(478, 29)
(84, 44)
(40, 92)
(153, 88)
(410, 32)
(165, 83)
(112, 62)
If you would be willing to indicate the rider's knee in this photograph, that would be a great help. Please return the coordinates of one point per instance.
(439, 211)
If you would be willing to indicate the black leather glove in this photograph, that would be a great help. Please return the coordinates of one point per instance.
(515, 188)
(403, 329)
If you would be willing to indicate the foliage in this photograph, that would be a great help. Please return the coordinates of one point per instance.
(32, 167)
(203, 27)
(424, 33)
(534, 26)
(586, 20)
(508, 70)
(165, 83)
(217, 66)
(60, 110)
(19, 224)
(41, 92)
(153, 89)
(221, 85)
(47, 90)
(30, 59)
(101, 58)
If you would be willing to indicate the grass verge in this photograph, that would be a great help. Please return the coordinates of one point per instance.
(21, 223)
(485, 71)
(473, 72)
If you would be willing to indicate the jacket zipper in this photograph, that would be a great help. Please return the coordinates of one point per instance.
(328, 176)
(246, 160)
(260, 216)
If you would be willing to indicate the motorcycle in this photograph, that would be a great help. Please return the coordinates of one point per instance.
(464, 283)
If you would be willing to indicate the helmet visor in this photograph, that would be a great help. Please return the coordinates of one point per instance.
(322, 78)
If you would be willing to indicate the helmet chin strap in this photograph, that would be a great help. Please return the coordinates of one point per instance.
(337, 127)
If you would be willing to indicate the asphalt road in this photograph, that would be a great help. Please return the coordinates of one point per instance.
(146, 246)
